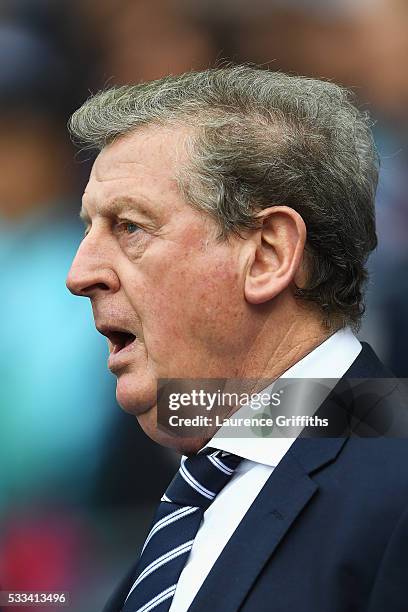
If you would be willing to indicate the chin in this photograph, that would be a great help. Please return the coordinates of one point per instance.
(186, 446)
(138, 397)
(135, 396)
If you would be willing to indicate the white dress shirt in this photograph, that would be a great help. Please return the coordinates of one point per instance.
(261, 455)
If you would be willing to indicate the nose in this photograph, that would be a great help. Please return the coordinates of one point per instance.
(90, 274)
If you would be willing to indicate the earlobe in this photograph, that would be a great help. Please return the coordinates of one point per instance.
(277, 254)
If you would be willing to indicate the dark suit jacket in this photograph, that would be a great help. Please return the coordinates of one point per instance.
(329, 530)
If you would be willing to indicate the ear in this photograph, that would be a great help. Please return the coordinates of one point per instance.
(276, 255)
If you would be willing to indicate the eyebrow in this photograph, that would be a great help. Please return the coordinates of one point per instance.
(121, 204)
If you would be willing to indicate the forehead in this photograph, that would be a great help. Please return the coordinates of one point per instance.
(142, 165)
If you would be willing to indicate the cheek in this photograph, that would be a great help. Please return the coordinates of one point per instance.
(216, 303)
(196, 302)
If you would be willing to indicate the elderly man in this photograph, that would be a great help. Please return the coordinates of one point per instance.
(229, 215)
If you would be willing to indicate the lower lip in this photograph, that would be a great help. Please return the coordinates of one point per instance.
(119, 360)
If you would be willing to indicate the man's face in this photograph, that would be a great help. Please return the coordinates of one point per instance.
(165, 292)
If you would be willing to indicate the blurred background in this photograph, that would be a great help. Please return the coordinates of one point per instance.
(74, 504)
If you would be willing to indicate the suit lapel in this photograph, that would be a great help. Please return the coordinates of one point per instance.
(283, 497)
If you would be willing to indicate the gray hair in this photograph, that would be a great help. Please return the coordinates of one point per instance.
(262, 138)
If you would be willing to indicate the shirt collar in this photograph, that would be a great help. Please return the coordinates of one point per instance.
(331, 359)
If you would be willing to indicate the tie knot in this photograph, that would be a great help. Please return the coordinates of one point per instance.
(201, 477)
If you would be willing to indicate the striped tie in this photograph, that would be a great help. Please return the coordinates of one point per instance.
(166, 549)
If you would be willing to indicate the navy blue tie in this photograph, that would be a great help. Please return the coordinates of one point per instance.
(167, 547)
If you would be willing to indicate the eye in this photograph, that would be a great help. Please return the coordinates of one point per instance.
(127, 233)
(130, 228)
(126, 227)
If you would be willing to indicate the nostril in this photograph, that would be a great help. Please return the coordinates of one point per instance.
(85, 290)
(96, 287)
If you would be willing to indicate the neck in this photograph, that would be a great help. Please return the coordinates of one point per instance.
(278, 347)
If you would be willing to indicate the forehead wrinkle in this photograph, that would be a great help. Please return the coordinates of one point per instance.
(107, 165)
(138, 149)
(113, 178)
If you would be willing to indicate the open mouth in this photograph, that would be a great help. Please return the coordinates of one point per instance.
(118, 339)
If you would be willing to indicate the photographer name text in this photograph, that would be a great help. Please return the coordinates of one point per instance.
(254, 421)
